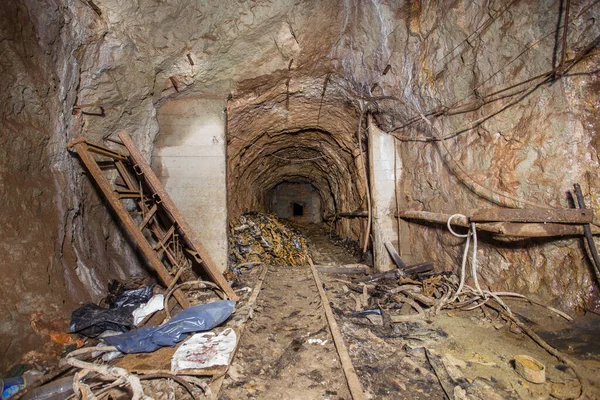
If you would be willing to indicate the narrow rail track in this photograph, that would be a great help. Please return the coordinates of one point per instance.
(287, 350)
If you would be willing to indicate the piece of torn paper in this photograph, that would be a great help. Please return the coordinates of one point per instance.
(204, 350)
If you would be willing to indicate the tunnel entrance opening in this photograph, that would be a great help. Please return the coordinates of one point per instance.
(295, 138)
(297, 210)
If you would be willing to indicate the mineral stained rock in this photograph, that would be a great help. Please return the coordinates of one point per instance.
(299, 75)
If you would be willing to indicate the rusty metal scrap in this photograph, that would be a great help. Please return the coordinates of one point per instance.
(148, 213)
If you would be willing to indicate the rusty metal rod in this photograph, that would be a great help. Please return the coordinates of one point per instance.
(587, 229)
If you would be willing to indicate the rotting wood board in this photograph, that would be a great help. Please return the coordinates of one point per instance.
(159, 361)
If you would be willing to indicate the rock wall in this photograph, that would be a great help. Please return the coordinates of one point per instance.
(59, 246)
(300, 74)
(286, 197)
(532, 138)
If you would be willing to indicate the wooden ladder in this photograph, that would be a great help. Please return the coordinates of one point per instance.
(148, 213)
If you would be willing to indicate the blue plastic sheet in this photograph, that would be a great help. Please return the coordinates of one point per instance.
(198, 318)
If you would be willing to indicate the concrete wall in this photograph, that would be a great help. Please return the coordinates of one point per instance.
(189, 159)
(382, 164)
(285, 194)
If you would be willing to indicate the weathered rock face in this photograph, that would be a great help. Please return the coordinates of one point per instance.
(301, 74)
(59, 246)
(533, 150)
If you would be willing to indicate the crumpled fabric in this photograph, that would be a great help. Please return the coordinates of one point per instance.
(198, 318)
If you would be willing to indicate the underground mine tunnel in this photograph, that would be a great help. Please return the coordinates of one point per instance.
(299, 200)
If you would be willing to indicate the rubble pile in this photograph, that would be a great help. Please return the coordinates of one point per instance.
(263, 238)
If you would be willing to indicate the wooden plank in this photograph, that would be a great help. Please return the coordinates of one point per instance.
(356, 390)
(344, 269)
(395, 256)
(186, 232)
(128, 222)
(515, 229)
(160, 361)
(533, 230)
(446, 382)
(563, 216)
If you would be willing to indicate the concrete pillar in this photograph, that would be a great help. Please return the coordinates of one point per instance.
(189, 159)
(383, 195)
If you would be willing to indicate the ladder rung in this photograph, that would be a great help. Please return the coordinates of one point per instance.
(128, 194)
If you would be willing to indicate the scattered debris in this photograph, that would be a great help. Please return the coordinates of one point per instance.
(317, 341)
(91, 320)
(193, 319)
(348, 269)
(156, 303)
(258, 237)
(11, 386)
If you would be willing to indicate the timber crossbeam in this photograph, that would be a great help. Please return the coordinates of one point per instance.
(515, 222)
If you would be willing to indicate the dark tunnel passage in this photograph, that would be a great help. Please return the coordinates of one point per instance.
(298, 201)
(296, 155)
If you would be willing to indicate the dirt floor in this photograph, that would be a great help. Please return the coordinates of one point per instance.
(287, 352)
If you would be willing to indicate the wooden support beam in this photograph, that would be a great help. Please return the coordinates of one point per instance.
(395, 256)
(564, 216)
(169, 207)
(515, 229)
